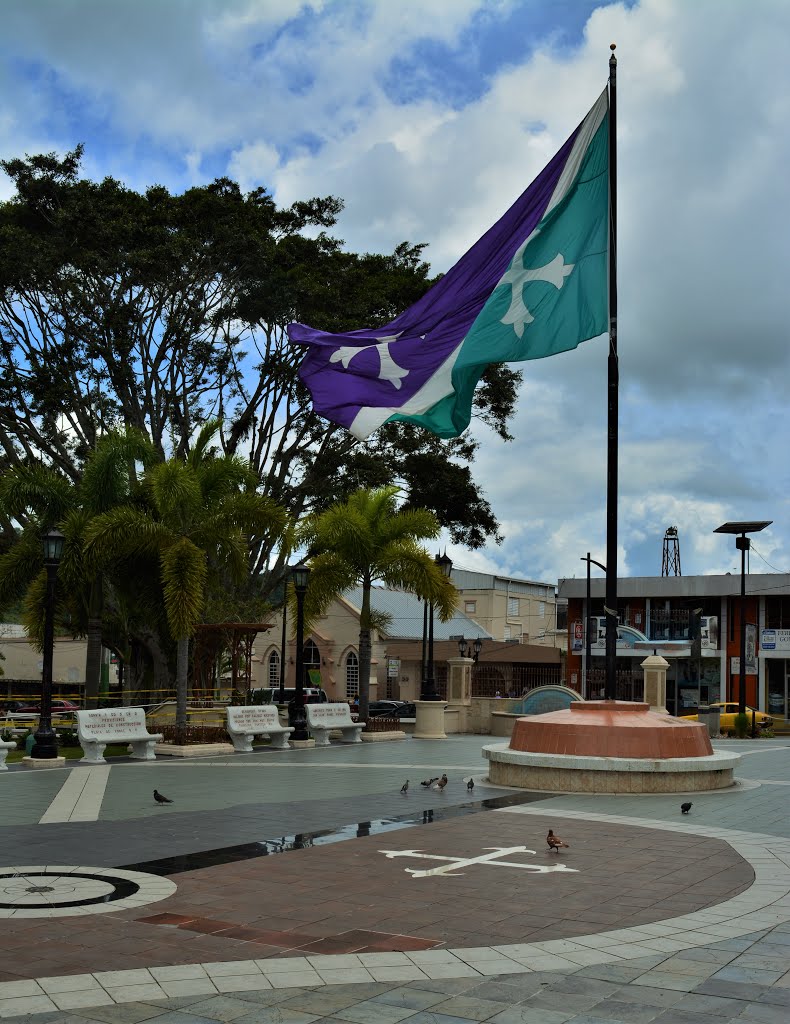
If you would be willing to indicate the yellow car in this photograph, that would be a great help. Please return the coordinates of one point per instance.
(728, 713)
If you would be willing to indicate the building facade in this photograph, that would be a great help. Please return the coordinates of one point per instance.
(510, 609)
(694, 622)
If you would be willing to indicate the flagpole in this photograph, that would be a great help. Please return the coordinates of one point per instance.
(610, 608)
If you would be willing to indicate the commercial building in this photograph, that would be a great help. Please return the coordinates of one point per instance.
(693, 622)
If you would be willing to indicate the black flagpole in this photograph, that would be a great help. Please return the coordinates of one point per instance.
(613, 388)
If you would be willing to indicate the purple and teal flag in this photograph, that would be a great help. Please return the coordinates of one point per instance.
(534, 285)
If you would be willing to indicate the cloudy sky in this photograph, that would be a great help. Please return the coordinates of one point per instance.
(429, 117)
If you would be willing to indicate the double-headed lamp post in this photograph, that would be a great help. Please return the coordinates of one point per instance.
(429, 692)
(466, 649)
(45, 747)
(742, 543)
(297, 717)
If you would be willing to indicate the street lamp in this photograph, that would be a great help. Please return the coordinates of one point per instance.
(281, 695)
(742, 543)
(45, 747)
(445, 563)
(297, 716)
(470, 650)
(587, 636)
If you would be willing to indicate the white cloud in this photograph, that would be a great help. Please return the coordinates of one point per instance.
(297, 96)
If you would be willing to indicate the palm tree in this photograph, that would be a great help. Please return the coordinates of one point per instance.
(200, 517)
(39, 497)
(368, 539)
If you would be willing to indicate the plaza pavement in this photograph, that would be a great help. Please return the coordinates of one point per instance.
(292, 886)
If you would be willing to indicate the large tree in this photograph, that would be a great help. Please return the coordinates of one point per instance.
(158, 311)
(369, 539)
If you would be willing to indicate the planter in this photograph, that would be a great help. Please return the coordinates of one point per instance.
(383, 737)
(193, 749)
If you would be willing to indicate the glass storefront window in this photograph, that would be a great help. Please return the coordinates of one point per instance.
(777, 686)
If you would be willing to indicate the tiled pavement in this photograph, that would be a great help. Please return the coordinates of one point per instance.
(659, 920)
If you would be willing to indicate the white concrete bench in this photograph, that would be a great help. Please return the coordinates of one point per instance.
(256, 720)
(100, 726)
(5, 749)
(323, 718)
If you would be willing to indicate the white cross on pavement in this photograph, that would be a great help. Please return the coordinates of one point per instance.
(494, 859)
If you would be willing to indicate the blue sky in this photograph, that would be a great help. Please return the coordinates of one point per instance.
(429, 117)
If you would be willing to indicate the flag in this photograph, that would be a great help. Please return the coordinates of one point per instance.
(534, 285)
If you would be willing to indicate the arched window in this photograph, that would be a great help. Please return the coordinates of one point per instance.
(352, 675)
(312, 660)
(274, 670)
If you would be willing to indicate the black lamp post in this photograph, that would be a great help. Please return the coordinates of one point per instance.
(587, 637)
(281, 695)
(45, 747)
(297, 717)
(742, 543)
(445, 563)
(470, 650)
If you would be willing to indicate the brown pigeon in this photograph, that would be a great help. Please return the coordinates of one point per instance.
(555, 842)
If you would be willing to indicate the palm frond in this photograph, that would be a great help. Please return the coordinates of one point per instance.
(124, 531)
(19, 567)
(174, 489)
(36, 489)
(109, 475)
(184, 578)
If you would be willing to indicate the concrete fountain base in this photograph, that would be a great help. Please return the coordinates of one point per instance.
(609, 747)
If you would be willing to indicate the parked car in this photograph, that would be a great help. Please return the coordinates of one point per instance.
(392, 709)
(7, 706)
(728, 713)
(58, 706)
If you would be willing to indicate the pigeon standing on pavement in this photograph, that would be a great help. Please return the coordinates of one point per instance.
(441, 783)
(555, 842)
(685, 808)
(470, 784)
(429, 782)
(405, 787)
(160, 799)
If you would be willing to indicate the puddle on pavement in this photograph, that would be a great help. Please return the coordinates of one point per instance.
(323, 837)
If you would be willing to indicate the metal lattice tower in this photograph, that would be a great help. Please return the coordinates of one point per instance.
(670, 562)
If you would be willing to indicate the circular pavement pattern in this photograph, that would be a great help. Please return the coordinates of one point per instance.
(69, 891)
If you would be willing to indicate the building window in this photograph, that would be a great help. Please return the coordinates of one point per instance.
(507, 633)
(777, 612)
(311, 658)
(512, 607)
(352, 675)
(470, 607)
(274, 670)
(542, 610)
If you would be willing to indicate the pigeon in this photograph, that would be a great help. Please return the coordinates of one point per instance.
(470, 784)
(160, 799)
(555, 842)
(405, 787)
(429, 782)
(685, 808)
(441, 783)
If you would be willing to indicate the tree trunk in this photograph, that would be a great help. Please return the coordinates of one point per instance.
(182, 671)
(364, 653)
(93, 654)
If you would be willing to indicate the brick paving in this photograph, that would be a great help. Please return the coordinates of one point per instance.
(202, 954)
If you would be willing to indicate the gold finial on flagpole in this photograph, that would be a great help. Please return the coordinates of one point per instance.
(612, 46)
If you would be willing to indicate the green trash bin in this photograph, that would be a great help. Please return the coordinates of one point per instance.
(30, 742)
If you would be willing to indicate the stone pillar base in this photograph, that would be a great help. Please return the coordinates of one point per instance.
(297, 744)
(44, 762)
(429, 723)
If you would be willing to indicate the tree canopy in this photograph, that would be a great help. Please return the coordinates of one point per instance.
(158, 312)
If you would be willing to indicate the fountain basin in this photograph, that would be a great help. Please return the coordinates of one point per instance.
(609, 747)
